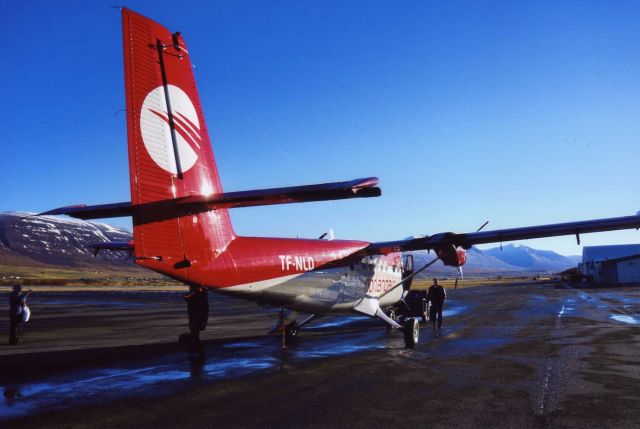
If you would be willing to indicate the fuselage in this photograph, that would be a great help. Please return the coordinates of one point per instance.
(336, 289)
(316, 276)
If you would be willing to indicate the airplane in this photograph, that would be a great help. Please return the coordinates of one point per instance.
(181, 222)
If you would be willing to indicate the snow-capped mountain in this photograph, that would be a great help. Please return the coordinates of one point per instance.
(479, 264)
(30, 240)
(532, 259)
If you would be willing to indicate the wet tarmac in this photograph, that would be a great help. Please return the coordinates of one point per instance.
(534, 355)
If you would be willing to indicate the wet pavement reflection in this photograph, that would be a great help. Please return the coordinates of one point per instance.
(625, 319)
(174, 372)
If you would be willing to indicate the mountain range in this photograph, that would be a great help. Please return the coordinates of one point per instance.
(509, 260)
(512, 260)
(27, 240)
(47, 241)
(539, 260)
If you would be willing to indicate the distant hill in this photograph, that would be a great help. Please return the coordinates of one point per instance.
(533, 259)
(575, 258)
(46, 241)
(479, 264)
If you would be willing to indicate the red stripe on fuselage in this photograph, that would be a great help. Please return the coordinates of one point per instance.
(250, 259)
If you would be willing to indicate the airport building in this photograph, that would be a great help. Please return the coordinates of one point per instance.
(617, 264)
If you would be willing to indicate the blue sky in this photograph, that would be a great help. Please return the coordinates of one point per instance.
(520, 113)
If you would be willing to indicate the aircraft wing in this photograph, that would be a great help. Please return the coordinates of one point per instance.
(358, 188)
(466, 240)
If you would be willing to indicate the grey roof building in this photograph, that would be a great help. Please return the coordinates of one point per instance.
(616, 264)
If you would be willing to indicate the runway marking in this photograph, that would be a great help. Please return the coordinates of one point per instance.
(544, 390)
(543, 406)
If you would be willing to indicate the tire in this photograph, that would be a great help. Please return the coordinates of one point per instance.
(411, 329)
(291, 330)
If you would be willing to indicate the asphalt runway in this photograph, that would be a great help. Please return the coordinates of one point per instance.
(526, 355)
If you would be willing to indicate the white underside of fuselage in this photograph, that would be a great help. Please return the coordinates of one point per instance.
(335, 290)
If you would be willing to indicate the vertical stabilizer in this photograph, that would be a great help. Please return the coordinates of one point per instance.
(170, 152)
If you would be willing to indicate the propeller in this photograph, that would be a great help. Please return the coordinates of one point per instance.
(460, 275)
(483, 225)
(329, 235)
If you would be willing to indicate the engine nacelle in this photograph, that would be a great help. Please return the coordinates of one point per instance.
(451, 255)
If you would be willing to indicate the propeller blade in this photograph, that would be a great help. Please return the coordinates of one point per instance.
(483, 225)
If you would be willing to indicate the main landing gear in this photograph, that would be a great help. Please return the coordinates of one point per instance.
(288, 328)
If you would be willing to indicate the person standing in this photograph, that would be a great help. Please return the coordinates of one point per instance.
(198, 311)
(17, 302)
(436, 296)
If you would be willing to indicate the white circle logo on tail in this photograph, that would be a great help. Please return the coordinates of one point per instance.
(156, 130)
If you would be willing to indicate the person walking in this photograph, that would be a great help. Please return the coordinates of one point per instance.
(436, 296)
(17, 303)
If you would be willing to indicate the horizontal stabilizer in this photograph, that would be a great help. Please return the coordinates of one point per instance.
(82, 211)
(358, 188)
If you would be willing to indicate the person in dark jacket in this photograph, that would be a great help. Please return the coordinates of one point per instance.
(198, 311)
(17, 301)
(436, 296)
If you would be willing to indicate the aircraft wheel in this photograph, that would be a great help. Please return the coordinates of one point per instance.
(411, 332)
(291, 330)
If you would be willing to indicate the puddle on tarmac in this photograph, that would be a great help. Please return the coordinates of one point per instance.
(363, 341)
(619, 298)
(65, 299)
(453, 310)
(102, 303)
(625, 319)
(174, 371)
(338, 322)
(242, 345)
(568, 307)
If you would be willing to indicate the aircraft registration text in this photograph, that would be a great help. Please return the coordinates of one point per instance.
(296, 263)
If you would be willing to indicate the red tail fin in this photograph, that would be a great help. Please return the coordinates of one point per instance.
(170, 152)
